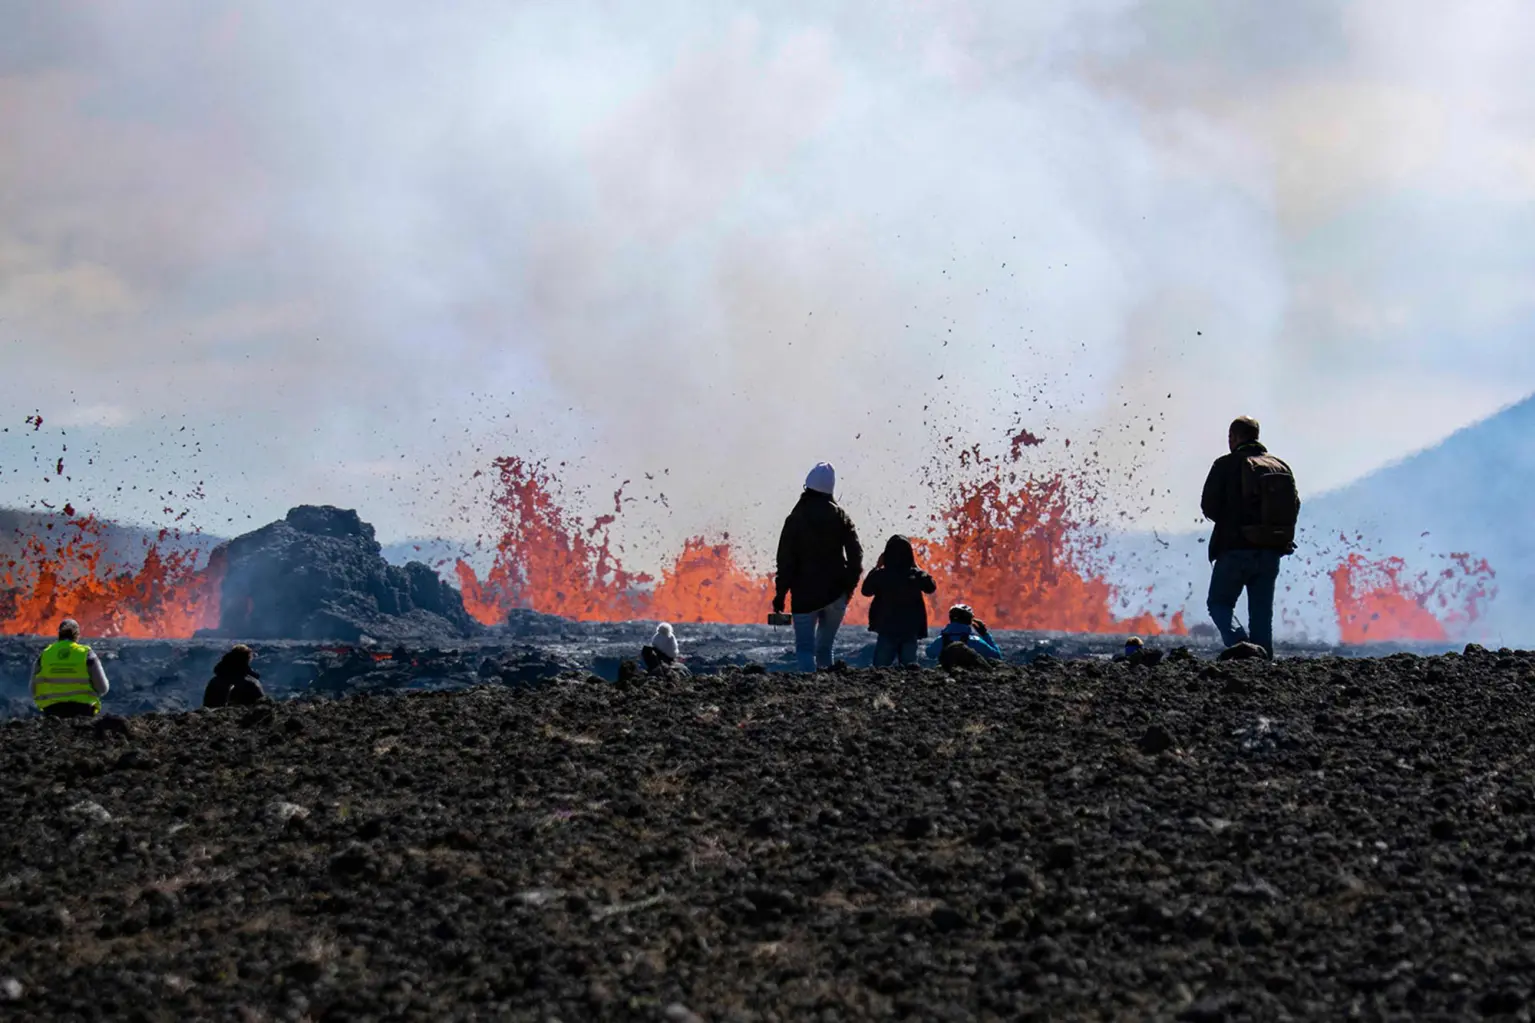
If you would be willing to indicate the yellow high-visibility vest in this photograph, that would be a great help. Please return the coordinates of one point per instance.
(65, 677)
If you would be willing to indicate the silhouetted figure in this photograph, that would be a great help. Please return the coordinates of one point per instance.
(819, 563)
(67, 678)
(235, 683)
(898, 613)
(965, 629)
(1250, 496)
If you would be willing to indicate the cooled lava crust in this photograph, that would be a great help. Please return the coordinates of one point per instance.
(1304, 839)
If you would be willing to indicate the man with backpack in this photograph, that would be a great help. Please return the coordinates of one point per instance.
(1250, 496)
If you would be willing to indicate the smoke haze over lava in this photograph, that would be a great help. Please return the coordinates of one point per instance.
(360, 250)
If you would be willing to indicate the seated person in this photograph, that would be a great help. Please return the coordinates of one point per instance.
(662, 650)
(964, 627)
(234, 682)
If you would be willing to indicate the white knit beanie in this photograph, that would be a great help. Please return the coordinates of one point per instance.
(822, 479)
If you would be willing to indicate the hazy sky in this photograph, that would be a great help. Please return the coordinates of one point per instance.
(358, 248)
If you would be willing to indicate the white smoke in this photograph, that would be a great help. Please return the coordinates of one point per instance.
(364, 247)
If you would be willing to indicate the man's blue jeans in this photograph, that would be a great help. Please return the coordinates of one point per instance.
(888, 651)
(1256, 572)
(814, 634)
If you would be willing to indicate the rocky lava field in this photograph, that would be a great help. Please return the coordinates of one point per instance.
(164, 676)
(1306, 839)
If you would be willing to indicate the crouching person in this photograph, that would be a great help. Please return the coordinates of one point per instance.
(965, 629)
(67, 678)
(663, 649)
(235, 683)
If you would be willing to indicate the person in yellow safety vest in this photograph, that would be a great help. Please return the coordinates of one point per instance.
(68, 680)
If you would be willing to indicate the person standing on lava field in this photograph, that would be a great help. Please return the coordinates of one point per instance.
(819, 564)
(1250, 496)
(898, 614)
(68, 680)
(234, 683)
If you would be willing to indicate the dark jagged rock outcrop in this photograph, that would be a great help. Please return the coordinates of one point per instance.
(318, 574)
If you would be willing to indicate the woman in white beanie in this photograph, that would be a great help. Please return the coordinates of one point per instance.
(819, 564)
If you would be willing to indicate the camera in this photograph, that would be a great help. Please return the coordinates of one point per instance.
(780, 618)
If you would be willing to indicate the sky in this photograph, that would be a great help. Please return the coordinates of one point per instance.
(349, 252)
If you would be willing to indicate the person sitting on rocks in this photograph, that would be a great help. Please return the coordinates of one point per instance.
(662, 650)
(898, 614)
(235, 683)
(966, 629)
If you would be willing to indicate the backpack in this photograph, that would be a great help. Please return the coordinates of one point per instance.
(1271, 501)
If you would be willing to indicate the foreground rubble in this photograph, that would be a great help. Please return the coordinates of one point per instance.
(1304, 839)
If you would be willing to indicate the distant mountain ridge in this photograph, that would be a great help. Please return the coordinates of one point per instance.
(121, 544)
(125, 544)
(433, 551)
(1472, 493)
(1472, 488)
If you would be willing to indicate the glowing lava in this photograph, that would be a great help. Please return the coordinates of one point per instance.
(1012, 548)
(65, 574)
(1022, 548)
(546, 559)
(706, 584)
(1009, 546)
(1378, 601)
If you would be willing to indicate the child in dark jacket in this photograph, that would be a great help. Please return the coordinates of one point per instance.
(964, 627)
(898, 614)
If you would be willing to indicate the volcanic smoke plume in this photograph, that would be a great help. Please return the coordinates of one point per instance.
(629, 227)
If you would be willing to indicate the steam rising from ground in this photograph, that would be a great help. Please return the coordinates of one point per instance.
(364, 247)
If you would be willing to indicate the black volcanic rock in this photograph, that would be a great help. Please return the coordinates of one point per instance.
(166, 676)
(777, 849)
(1243, 651)
(528, 624)
(319, 575)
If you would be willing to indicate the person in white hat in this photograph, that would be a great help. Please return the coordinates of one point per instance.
(819, 565)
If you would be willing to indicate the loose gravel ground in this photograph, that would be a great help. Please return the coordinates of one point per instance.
(1307, 839)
